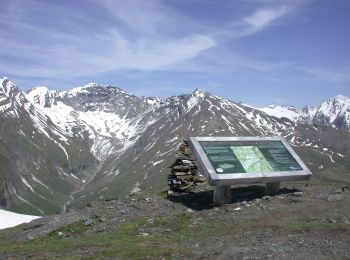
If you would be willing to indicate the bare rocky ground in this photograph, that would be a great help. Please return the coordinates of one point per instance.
(303, 221)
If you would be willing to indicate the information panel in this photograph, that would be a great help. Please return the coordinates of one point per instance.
(249, 159)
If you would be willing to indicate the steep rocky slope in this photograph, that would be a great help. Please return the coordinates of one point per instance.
(61, 149)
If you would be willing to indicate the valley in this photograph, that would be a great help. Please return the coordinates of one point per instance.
(62, 149)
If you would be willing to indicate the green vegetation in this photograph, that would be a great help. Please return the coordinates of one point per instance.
(305, 225)
(128, 240)
(151, 238)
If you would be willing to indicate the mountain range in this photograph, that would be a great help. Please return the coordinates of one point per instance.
(61, 149)
(334, 112)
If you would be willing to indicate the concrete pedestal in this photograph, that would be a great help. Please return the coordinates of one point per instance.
(272, 188)
(222, 194)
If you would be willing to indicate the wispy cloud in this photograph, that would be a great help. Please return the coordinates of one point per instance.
(332, 75)
(134, 39)
(62, 40)
(264, 17)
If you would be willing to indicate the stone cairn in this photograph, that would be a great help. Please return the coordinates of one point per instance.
(184, 171)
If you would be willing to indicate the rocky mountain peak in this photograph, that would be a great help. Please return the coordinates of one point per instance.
(42, 96)
(341, 97)
(334, 112)
(199, 92)
(6, 87)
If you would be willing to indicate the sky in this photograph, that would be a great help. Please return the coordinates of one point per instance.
(259, 52)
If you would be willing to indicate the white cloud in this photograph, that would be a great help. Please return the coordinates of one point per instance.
(132, 35)
(143, 17)
(264, 17)
(142, 37)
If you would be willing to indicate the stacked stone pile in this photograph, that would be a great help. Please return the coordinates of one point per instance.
(184, 171)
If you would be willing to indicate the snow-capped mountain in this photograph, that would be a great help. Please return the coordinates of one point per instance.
(64, 148)
(334, 112)
(280, 111)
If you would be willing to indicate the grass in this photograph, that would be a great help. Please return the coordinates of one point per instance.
(126, 241)
(299, 226)
(167, 235)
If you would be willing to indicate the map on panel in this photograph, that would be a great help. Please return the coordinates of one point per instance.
(249, 156)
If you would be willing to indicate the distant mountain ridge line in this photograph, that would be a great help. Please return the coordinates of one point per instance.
(75, 90)
(64, 148)
(334, 111)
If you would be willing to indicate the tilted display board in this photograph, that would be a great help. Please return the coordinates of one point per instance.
(235, 160)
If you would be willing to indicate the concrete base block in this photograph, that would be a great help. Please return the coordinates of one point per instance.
(272, 188)
(222, 194)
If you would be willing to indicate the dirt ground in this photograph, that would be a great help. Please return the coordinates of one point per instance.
(303, 221)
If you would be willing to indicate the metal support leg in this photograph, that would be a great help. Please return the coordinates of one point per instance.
(222, 194)
(272, 188)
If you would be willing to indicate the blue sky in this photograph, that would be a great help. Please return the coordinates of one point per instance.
(255, 51)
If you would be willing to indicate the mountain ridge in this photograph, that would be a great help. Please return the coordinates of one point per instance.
(101, 141)
(334, 111)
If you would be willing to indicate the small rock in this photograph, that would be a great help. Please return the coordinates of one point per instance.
(337, 191)
(335, 197)
(190, 211)
(236, 209)
(151, 220)
(170, 193)
(148, 200)
(245, 203)
(90, 204)
(267, 198)
(186, 162)
(110, 207)
(30, 238)
(102, 219)
(332, 221)
(168, 230)
(297, 193)
(88, 222)
(60, 234)
(144, 234)
(135, 190)
(297, 199)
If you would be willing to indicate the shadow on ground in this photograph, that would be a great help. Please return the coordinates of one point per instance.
(203, 200)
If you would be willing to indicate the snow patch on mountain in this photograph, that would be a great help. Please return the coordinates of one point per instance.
(77, 90)
(42, 96)
(194, 99)
(290, 112)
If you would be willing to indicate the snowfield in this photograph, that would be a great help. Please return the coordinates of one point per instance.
(10, 219)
